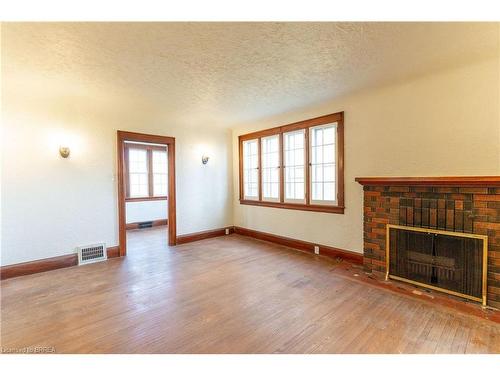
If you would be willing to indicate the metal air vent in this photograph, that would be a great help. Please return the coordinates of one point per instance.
(92, 253)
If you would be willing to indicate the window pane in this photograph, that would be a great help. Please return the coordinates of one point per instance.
(250, 171)
(329, 135)
(138, 185)
(329, 173)
(328, 153)
(298, 156)
(274, 175)
(317, 191)
(323, 163)
(275, 158)
(275, 189)
(270, 167)
(317, 155)
(138, 160)
(329, 191)
(254, 177)
(253, 147)
(160, 162)
(299, 173)
(299, 190)
(293, 144)
(317, 173)
(317, 136)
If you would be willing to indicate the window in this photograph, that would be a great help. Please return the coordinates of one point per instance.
(146, 171)
(160, 173)
(251, 169)
(297, 166)
(270, 168)
(323, 164)
(138, 173)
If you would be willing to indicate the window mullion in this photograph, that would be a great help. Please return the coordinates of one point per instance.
(127, 171)
(259, 168)
(242, 170)
(281, 167)
(307, 150)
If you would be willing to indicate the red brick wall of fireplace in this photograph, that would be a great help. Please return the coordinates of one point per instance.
(462, 209)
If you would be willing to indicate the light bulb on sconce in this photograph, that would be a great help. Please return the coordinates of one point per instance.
(64, 151)
(204, 159)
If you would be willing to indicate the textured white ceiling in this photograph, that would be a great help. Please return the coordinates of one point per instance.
(232, 73)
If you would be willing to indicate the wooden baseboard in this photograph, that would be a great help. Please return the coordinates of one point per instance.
(328, 251)
(113, 252)
(191, 237)
(156, 223)
(48, 264)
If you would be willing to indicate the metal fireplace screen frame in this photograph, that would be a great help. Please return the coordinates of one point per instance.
(447, 233)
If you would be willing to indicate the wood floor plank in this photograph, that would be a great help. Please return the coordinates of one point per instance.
(230, 294)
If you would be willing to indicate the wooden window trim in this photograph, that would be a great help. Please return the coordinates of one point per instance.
(144, 199)
(306, 124)
(149, 149)
(145, 146)
(259, 168)
(282, 170)
(296, 206)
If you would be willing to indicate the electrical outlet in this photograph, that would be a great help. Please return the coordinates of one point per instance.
(316, 249)
(227, 230)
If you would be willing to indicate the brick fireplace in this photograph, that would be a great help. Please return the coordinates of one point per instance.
(453, 204)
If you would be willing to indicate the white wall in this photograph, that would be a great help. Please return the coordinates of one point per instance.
(51, 205)
(442, 124)
(137, 212)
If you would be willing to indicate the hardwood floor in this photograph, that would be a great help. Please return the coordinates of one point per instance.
(229, 294)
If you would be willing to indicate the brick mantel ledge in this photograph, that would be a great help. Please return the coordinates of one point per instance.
(486, 181)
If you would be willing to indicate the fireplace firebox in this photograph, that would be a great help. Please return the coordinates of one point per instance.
(451, 262)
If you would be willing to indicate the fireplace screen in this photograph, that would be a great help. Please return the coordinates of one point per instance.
(451, 262)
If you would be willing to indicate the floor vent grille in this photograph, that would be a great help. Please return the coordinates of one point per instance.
(146, 224)
(92, 253)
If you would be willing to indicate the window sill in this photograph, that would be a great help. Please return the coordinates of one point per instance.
(295, 206)
(143, 199)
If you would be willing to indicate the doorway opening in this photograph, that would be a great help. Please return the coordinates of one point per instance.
(146, 189)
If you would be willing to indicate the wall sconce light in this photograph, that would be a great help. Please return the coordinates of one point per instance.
(64, 151)
(204, 159)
